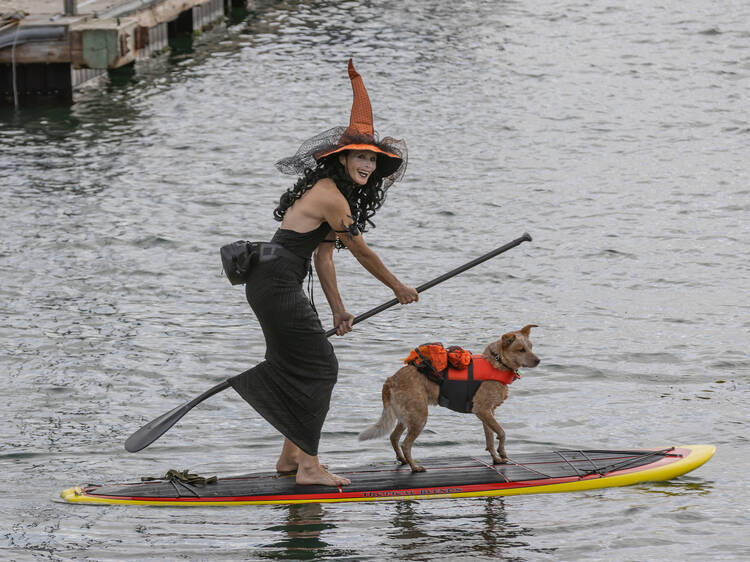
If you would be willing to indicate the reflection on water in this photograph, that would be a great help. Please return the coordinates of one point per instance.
(685, 486)
(415, 530)
(405, 524)
(477, 527)
(500, 535)
(299, 538)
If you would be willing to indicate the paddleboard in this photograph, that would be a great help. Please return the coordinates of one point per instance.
(531, 473)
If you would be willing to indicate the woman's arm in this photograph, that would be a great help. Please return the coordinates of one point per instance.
(338, 214)
(323, 259)
(372, 263)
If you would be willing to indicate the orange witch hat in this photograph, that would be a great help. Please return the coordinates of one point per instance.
(359, 135)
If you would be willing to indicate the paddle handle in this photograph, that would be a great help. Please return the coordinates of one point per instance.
(445, 276)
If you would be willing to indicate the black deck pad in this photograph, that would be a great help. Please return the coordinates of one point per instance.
(463, 471)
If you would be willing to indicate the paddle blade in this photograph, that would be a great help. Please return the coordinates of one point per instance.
(155, 429)
(159, 426)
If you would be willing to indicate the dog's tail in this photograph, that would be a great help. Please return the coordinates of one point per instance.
(387, 420)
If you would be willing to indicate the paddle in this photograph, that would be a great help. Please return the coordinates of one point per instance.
(157, 427)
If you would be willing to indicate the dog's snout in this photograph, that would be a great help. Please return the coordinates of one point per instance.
(537, 361)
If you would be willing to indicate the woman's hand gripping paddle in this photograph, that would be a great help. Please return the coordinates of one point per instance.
(158, 427)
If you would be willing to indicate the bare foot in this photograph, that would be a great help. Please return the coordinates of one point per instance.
(285, 468)
(287, 463)
(291, 468)
(319, 475)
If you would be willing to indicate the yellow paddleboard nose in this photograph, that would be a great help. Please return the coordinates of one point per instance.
(70, 494)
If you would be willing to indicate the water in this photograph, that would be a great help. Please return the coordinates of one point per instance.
(616, 135)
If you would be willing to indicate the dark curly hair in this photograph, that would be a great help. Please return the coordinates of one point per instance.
(364, 200)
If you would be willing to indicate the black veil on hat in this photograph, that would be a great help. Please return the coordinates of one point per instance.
(359, 135)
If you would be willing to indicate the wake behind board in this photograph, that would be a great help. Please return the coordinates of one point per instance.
(532, 473)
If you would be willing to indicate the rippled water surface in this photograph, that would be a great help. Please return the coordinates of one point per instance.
(616, 134)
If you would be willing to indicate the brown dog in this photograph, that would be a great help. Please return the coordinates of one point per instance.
(407, 394)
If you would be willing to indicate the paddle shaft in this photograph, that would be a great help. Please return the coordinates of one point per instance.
(157, 427)
(437, 280)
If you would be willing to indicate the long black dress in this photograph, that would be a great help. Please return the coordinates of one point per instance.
(292, 388)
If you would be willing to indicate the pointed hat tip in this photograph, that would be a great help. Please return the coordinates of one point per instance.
(352, 73)
(361, 116)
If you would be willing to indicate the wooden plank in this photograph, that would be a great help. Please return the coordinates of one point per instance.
(31, 53)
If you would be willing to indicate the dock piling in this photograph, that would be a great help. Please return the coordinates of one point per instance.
(70, 7)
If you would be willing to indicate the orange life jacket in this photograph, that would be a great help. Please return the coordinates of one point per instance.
(483, 371)
(460, 385)
(458, 373)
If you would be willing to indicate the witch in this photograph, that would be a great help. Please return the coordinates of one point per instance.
(344, 174)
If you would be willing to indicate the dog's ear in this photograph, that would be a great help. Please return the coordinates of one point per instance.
(507, 340)
(525, 330)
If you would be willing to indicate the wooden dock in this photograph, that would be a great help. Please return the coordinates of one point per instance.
(53, 47)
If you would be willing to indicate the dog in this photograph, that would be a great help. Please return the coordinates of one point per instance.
(407, 394)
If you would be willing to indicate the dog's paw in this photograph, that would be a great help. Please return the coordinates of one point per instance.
(500, 460)
(418, 468)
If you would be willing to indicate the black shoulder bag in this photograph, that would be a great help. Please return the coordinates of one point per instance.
(237, 259)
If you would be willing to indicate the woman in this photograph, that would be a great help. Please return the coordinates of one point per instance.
(345, 173)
